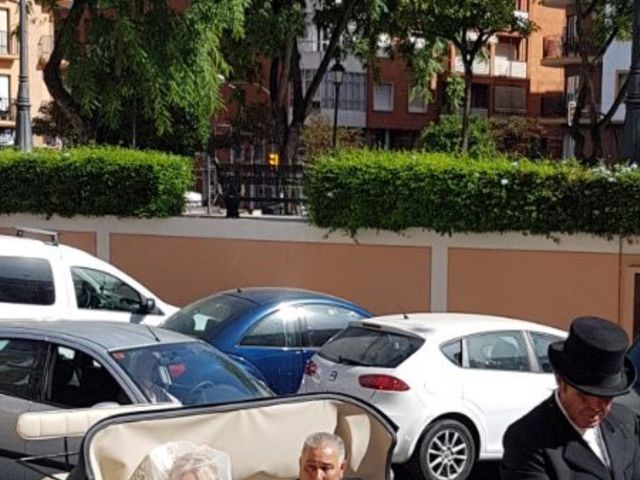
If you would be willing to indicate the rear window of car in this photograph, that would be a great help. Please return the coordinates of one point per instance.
(369, 347)
(26, 280)
(202, 318)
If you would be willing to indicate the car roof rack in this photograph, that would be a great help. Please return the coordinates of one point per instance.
(53, 236)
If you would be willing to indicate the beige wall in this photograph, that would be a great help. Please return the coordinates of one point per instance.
(383, 279)
(552, 287)
(550, 280)
(549, 21)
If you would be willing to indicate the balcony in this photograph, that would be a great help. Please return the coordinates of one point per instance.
(503, 67)
(7, 112)
(481, 66)
(45, 47)
(308, 46)
(560, 51)
(8, 46)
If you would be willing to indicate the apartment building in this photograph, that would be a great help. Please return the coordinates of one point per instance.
(40, 35)
(508, 80)
(561, 52)
(352, 104)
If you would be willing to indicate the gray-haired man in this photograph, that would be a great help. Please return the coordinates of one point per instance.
(322, 457)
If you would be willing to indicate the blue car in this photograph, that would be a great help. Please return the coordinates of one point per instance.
(271, 331)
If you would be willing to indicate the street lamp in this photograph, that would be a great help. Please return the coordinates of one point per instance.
(337, 75)
(631, 134)
(23, 119)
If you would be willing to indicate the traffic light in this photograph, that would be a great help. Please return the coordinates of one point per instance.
(274, 160)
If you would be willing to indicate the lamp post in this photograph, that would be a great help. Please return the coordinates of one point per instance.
(23, 119)
(337, 75)
(631, 135)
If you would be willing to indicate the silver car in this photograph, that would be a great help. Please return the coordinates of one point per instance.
(78, 364)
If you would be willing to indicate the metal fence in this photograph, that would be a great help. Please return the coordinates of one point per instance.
(234, 186)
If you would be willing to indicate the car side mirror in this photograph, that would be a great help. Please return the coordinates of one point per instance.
(148, 305)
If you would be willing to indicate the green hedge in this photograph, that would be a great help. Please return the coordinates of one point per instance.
(394, 191)
(93, 181)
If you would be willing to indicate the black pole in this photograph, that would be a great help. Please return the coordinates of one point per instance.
(23, 119)
(335, 114)
(631, 135)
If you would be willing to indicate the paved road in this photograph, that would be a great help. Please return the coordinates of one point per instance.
(483, 471)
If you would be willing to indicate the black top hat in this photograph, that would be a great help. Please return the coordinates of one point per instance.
(592, 358)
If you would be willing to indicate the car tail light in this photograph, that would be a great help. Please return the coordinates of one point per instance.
(383, 382)
(310, 368)
(176, 370)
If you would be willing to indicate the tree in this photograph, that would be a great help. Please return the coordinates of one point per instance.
(135, 64)
(519, 137)
(597, 24)
(317, 136)
(467, 24)
(444, 136)
(270, 49)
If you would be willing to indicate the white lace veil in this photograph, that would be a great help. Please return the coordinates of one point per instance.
(174, 460)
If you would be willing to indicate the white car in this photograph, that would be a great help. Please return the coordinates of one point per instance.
(452, 383)
(45, 280)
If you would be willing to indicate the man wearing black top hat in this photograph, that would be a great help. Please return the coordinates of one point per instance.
(577, 434)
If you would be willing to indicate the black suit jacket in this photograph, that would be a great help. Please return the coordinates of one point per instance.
(543, 445)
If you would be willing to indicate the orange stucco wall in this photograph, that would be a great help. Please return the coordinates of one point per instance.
(548, 287)
(384, 279)
(629, 268)
(546, 280)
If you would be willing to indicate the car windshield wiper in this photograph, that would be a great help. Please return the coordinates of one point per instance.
(351, 361)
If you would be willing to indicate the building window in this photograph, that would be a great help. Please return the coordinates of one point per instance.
(621, 77)
(479, 96)
(571, 36)
(383, 97)
(4, 94)
(417, 103)
(573, 87)
(322, 38)
(4, 31)
(511, 100)
(352, 91)
(521, 5)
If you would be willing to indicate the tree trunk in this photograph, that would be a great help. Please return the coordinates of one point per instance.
(466, 111)
(594, 130)
(278, 111)
(53, 76)
(293, 141)
(575, 129)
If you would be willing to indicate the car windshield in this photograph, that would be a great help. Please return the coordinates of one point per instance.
(200, 319)
(371, 348)
(189, 373)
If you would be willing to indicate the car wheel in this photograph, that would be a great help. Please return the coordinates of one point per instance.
(447, 451)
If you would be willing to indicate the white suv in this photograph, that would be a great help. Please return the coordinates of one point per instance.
(45, 281)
